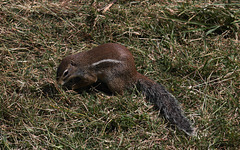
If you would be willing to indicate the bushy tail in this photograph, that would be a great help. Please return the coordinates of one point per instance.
(165, 101)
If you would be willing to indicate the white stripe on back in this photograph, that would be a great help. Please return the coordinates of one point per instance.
(106, 60)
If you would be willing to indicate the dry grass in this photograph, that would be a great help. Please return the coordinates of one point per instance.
(190, 47)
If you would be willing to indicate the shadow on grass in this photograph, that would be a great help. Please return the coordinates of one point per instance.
(50, 90)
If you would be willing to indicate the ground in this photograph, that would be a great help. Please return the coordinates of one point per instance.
(192, 48)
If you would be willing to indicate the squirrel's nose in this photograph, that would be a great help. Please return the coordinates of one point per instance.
(61, 82)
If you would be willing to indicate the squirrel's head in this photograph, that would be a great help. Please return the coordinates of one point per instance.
(66, 70)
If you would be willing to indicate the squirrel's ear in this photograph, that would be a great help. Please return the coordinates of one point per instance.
(73, 63)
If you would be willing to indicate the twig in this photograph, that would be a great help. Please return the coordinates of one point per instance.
(106, 8)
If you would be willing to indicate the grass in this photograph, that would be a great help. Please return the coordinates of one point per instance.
(190, 47)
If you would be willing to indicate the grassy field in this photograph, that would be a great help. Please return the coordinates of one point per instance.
(190, 47)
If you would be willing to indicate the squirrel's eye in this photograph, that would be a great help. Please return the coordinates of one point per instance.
(65, 73)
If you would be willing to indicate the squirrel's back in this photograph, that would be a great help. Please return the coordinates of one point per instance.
(108, 51)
